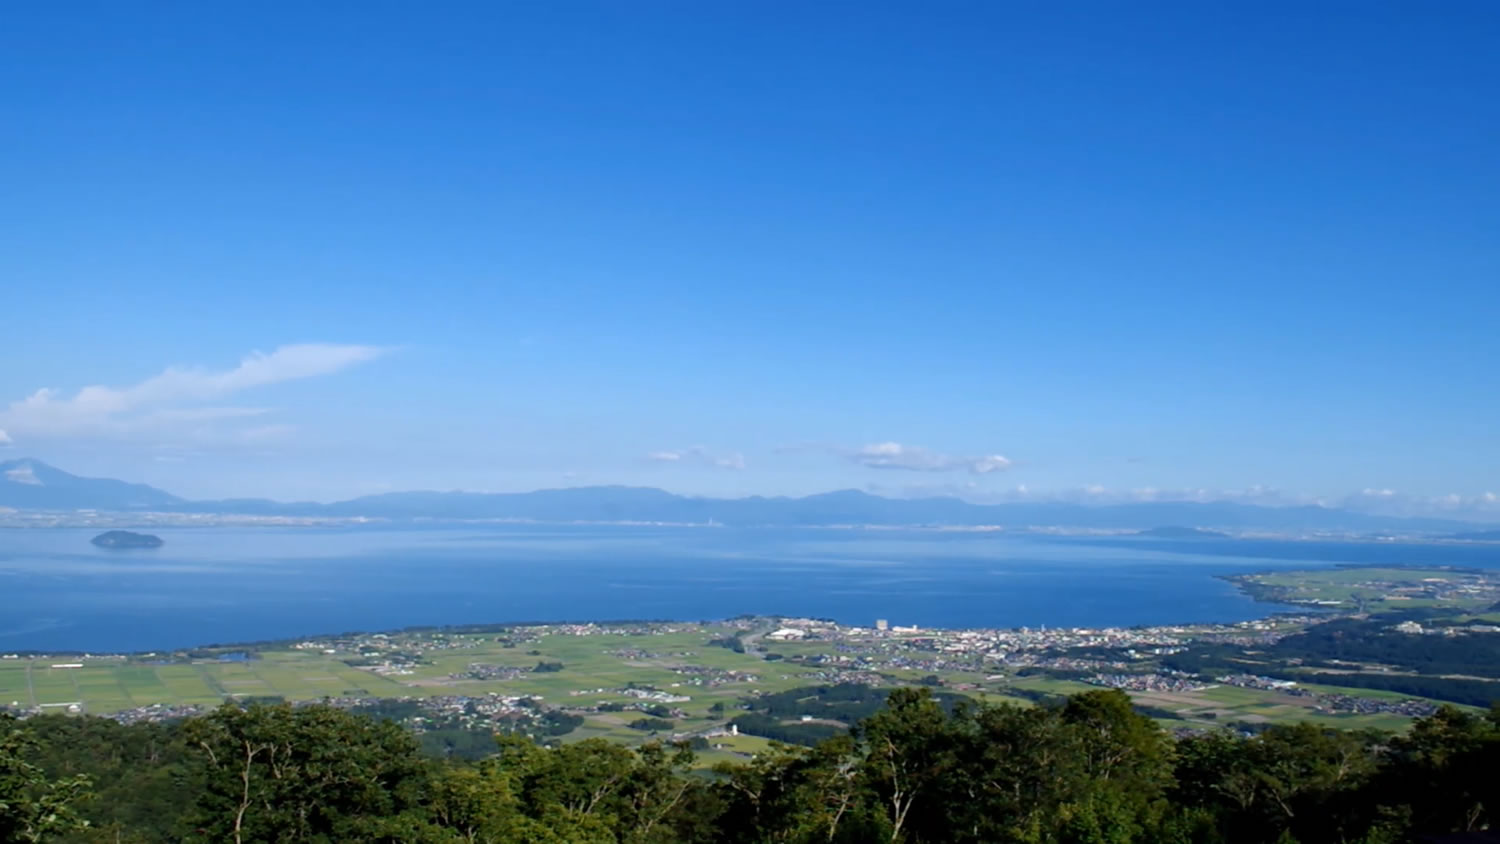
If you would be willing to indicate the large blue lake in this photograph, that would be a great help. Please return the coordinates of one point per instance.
(58, 592)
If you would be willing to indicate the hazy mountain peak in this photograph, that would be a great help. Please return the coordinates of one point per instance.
(843, 495)
(20, 472)
(31, 484)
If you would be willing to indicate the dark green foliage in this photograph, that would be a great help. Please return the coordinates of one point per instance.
(1364, 641)
(457, 743)
(271, 700)
(390, 709)
(1374, 641)
(1207, 660)
(1092, 770)
(1053, 673)
(547, 667)
(794, 732)
(1454, 689)
(734, 643)
(1298, 783)
(847, 702)
(1159, 713)
(1036, 696)
(1445, 772)
(651, 725)
(274, 773)
(34, 806)
(142, 775)
(555, 723)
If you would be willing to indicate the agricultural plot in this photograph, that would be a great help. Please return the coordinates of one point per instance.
(54, 686)
(593, 672)
(1378, 589)
(731, 749)
(1218, 705)
(186, 684)
(15, 688)
(670, 665)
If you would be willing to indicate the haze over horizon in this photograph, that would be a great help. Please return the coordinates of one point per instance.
(997, 253)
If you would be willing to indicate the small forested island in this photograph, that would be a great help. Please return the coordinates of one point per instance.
(126, 539)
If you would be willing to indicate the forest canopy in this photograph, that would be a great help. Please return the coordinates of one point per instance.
(1088, 769)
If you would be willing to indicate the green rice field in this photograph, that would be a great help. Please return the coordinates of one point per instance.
(596, 670)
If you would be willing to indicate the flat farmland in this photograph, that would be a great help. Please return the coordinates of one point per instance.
(15, 687)
(647, 665)
(53, 686)
(596, 669)
(1383, 587)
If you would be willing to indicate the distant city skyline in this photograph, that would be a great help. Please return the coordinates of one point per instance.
(1105, 254)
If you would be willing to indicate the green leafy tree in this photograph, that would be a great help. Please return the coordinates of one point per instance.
(829, 799)
(1085, 770)
(909, 753)
(1020, 766)
(34, 807)
(794, 794)
(140, 773)
(1302, 781)
(274, 773)
(755, 797)
(595, 790)
(1119, 745)
(1443, 771)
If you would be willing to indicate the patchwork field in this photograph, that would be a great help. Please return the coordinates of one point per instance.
(596, 669)
(1377, 588)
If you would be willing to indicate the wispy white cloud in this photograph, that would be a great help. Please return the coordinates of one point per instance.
(5, 439)
(23, 474)
(179, 402)
(1099, 494)
(1484, 506)
(699, 455)
(1091, 494)
(892, 455)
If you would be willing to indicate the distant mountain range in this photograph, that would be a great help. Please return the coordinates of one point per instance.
(32, 485)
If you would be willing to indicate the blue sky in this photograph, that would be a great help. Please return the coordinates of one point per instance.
(1003, 250)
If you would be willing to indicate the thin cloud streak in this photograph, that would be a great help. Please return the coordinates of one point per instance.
(909, 458)
(1484, 506)
(699, 455)
(170, 404)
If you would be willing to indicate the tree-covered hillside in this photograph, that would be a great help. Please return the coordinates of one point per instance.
(1088, 771)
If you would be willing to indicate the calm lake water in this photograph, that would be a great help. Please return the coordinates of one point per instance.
(222, 585)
